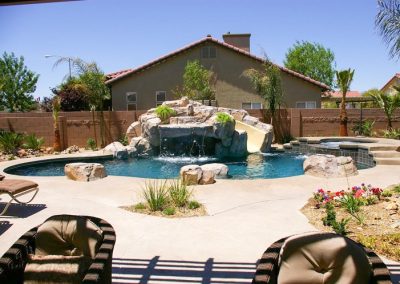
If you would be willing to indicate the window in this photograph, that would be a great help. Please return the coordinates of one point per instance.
(160, 97)
(208, 52)
(307, 104)
(251, 106)
(131, 100)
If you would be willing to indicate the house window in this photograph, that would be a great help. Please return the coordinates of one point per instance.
(251, 106)
(131, 100)
(208, 52)
(160, 97)
(306, 104)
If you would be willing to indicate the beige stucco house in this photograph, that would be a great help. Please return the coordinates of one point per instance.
(388, 87)
(149, 85)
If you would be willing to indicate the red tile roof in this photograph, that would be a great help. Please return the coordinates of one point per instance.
(350, 94)
(121, 74)
(396, 76)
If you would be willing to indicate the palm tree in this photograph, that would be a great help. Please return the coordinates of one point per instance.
(267, 84)
(388, 22)
(96, 90)
(344, 79)
(56, 111)
(389, 103)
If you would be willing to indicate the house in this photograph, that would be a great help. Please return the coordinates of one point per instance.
(149, 85)
(394, 81)
(353, 98)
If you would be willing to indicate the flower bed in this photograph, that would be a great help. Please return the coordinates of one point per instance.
(367, 214)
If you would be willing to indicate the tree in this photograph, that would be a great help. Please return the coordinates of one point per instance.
(198, 82)
(73, 95)
(370, 94)
(267, 84)
(388, 22)
(56, 112)
(312, 60)
(389, 103)
(344, 79)
(93, 80)
(16, 84)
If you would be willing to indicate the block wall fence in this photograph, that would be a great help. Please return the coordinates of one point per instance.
(77, 127)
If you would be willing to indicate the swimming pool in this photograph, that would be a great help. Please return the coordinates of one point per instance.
(269, 165)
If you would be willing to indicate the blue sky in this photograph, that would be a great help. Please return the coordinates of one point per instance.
(120, 34)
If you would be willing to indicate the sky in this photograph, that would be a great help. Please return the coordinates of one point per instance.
(121, 34)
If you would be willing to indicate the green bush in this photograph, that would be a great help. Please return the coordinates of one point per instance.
(396, 189)
(156, 194)
(169, 211)
(10, 141)
(179, 193)
(33, 142)
(123, 140)
(140, 206)
(223, 118)
(193, 204)
(387, 193)
(164, 112)
(363, 127)
(91, 144)
(330, 217)
(351, 203)
(341, 227)
(392, 133)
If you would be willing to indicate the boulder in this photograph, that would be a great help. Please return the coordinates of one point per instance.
(237, 114)
(85, 171)
(329, 166)
(118, 150)
(134, 130)
(191, 174)
(182, 120)
(190, 110)
(223, 131)
(207, 177)
(250, 120)
(220, 170)
(238, 147)
(182, 102)
(140, 146)
(150, 131)
(203, 112)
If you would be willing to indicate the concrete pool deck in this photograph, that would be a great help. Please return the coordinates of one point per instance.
(245, 217)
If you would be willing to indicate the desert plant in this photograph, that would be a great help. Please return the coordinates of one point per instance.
(140, 206)
(156, 194)
(223, 118)
(123, 140)
(389, 104)
(56, 111)
(387, 193)
(33, 142)
(91, 144)
(351, 203)
(179, 193)
(10, 141)
(193, 204)
(330, 217)
(169, 211)
(396, 189)
(392, 133)
(344, 79)
(363, 127)
(341, 227)
(164, 112)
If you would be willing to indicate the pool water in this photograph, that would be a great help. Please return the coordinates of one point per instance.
(270, 165)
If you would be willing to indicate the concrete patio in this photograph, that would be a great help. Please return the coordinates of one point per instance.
(245, 217)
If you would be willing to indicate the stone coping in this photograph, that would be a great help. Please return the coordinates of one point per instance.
(364, 142)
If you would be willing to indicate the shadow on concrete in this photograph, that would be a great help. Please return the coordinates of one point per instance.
(155, 270)
(21, 210)
(4, 226)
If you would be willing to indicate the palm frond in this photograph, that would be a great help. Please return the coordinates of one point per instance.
(388, 22)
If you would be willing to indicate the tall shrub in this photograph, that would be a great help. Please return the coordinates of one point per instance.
(344, 79)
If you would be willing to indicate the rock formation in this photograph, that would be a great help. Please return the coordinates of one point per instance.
(329, 166)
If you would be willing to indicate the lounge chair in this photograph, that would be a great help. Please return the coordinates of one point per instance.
(320, 258)
(64, 249)
(16, 188)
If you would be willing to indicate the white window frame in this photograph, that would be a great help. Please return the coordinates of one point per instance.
(307, 104)
(165, 98)
(252, 105)
(208, 52)
(128, 103)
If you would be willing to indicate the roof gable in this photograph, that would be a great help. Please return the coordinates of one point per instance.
(113, 77)
(390, 82)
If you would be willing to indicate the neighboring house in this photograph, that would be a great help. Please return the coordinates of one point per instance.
(394, 81)
(149, 85)
(353, 98)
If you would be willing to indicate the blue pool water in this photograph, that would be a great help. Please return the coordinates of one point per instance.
(273, 165)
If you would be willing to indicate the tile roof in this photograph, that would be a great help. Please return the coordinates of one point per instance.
(112, 77)
(337, 94)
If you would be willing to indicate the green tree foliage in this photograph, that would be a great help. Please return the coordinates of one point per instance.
(344, 79)
(16, 84)
(312, 60)
(369, 94)
(198, 82)
(388, 22)
(267, 84)
(389, 103)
